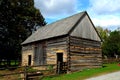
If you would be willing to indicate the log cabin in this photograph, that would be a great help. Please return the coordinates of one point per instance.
(72, 42)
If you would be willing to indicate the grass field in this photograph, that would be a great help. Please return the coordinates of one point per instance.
(107, 68)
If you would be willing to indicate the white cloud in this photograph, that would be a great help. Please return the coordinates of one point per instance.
(107, 21)
(105, 6)
(105, 13)
(55, 8)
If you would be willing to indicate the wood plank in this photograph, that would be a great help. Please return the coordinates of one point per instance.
(56, 47)
(57, 44)
(76, 68)
(86, 52)
(77, 41)
(51, 62)
(84, 58)
(85, 61)
(87, 64)
(91, 48)
(27, 48)
(82, 55)
(57, 40)
(84, 39)
(51, 57)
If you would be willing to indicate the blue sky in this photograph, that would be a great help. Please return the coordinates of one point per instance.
(104, 13)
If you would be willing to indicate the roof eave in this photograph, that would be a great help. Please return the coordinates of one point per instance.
(43, 39)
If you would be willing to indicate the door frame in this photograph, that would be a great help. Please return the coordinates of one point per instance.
(59, 61)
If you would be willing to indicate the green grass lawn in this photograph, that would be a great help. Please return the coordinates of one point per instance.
(108, 68)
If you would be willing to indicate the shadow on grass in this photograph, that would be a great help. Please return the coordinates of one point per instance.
(8, 67)
(104, 66)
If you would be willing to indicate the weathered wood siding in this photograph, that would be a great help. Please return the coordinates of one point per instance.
(56, 46)
(85, 29)
(39, 53)
(84, 54)
(26, 51)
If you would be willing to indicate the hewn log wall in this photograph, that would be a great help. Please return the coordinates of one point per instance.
(40, 53)
(56, 46)
(27, 50)
(79, 53)
(84, 54)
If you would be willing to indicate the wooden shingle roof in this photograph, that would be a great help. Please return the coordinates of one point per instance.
(58, 28)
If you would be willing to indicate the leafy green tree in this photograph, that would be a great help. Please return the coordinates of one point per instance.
(18, 19)
(111, 41)
(104, 33)
(112, 44)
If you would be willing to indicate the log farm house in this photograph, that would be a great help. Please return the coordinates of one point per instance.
(72, 42)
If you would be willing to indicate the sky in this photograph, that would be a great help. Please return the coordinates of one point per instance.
(104, 13)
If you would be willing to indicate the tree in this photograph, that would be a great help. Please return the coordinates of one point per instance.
(104, 33)
(111, 41)
(18, 19)
(111, 46)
